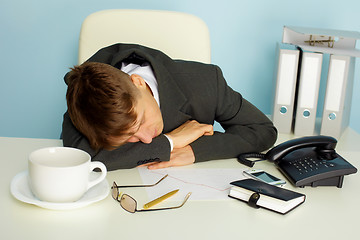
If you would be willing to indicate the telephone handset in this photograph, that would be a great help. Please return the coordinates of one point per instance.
(307, 161)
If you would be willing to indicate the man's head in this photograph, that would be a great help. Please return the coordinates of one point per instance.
(110, 107)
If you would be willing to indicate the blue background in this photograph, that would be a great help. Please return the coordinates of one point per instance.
(39, 42)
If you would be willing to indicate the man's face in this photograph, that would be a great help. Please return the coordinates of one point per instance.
(149, 122)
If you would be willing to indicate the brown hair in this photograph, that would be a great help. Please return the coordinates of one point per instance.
(101, 101)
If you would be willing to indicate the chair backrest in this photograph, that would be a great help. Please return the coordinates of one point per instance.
(179, 35)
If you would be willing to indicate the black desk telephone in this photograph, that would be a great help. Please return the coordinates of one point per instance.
(307, 161)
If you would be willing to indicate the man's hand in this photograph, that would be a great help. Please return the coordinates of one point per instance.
(178, 157)
(182, 154)
(189, 132)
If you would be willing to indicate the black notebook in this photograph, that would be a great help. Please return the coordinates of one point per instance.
(260, 194)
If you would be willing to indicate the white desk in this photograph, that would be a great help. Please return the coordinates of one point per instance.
(328, 212)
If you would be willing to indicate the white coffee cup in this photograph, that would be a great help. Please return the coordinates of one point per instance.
(61, 174)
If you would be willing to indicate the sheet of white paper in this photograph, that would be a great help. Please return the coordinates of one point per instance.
(205, 184)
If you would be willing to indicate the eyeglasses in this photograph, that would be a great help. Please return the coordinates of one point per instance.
(129, 204)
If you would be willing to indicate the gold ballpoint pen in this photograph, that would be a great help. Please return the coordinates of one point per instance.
(160, 199)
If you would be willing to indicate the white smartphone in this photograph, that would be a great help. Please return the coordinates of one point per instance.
(263, 176)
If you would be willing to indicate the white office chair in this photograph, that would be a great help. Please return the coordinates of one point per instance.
(179, 35)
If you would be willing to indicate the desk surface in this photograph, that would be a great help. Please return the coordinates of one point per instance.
(328, 212)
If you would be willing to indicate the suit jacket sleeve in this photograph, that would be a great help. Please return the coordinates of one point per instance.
(247, 129)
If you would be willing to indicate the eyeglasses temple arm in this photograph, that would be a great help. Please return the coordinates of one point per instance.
(151, 185)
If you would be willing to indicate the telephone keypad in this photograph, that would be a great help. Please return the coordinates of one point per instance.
(309, 164)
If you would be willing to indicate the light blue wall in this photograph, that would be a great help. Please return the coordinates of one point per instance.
(38, 43)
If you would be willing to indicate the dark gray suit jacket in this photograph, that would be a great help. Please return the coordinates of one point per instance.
(187, 90)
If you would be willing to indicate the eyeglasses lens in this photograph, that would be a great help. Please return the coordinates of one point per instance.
(115, 192)
(128, 203)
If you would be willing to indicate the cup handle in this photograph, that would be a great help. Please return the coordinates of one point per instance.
(97, 164)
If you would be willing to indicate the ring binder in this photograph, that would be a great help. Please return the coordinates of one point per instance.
(338, 97)
(309, 82)
(286, 73)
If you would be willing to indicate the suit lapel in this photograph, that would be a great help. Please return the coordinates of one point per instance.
(172, 99)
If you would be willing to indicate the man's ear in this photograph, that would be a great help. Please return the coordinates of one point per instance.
(138, 81)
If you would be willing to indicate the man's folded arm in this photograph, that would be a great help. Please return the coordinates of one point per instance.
(247, 129)
(128, 155)
(234, 141)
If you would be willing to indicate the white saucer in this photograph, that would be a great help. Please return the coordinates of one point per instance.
(20, 189)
